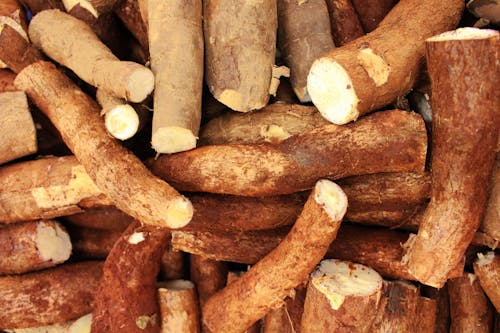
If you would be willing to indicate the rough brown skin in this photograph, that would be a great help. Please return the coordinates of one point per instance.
(240, 39)
(277, 321)
(17, 129)
(375, 69)
(97, 65)
(36, 6)
(295, 306)
(344, 21)
(172, 265)
(178, 307)
(209, 276)
(372, 12)
(12, 14)
(126, 300)
(24, 247)
(7, 80)
(176, 49)
(129, 13)
(15, 51)
(303, 35)
(231, 277)
(104, 218)
(92, 243)
(332, 306)
(402, 309)
(390, 141)
(45, 188)
(50, 296)
(465, 131)
(374, 247)
(469, 308)
(488, 273)
(442, 313)
(115, 170)
(267, 283)
(491, 221)
(273, 123)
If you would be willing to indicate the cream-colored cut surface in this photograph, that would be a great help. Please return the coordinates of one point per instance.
(69, 4)
(332, 198)
(485, 259)
(122, 122)
(79, 187)
(179, 213)
(169, 140)
(376, 67)
(332, 92)
(82, 325)
(337, 279)
(464, 34)
(53, 243)
(232, 99)
(136, 238)
(274, 133)
(140, 84)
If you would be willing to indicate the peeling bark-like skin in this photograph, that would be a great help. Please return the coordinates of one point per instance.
(126, 300)
(17, 129)
(15, 51)
(267, 283)
(273, 123)
(129, 13)
(116, 171)
(176, 49)
(92, 243)
(374, 247)
(390, 141)
(19, 247)
(469, 308)
(303, 35)
(491, 221)
(344, 21)
(372, 12)
(465, 128)
(7, 81)
(398, 45)
(50, 296)
(402, 309)
(489, 279)
(240, 43)
(44, 188)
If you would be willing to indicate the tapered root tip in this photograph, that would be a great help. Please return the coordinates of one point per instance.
(332, 92)
(169, 140)
(332, 198)
(140, 84)
(338, 279)
(53, 242)
(467, 33)
(122, 122)
(179, 213)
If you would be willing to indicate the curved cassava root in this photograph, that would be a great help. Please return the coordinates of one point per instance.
(373, 70)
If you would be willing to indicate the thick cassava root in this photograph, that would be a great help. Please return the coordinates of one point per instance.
(465, 131)
(240, 42)
(176, 48)
(54, 295)
(116, 171)
(375, 69)
(390, 141)
(17, 129)
(341, 297)
(344, 21)
(31, 246)
(178, 307)
(240, 304)
(80, 50)
(487, 269)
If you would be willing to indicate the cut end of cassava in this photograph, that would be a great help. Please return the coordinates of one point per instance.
(81, 325)
(53, 242)
(173, 139)
(69, 4)
(176, 285)
(122, 122)
(140, 84)
(5, 20)
(332, 198)
(467, 33)
(332, 92)
(179, 213)
(485, 259)
(338, 279)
